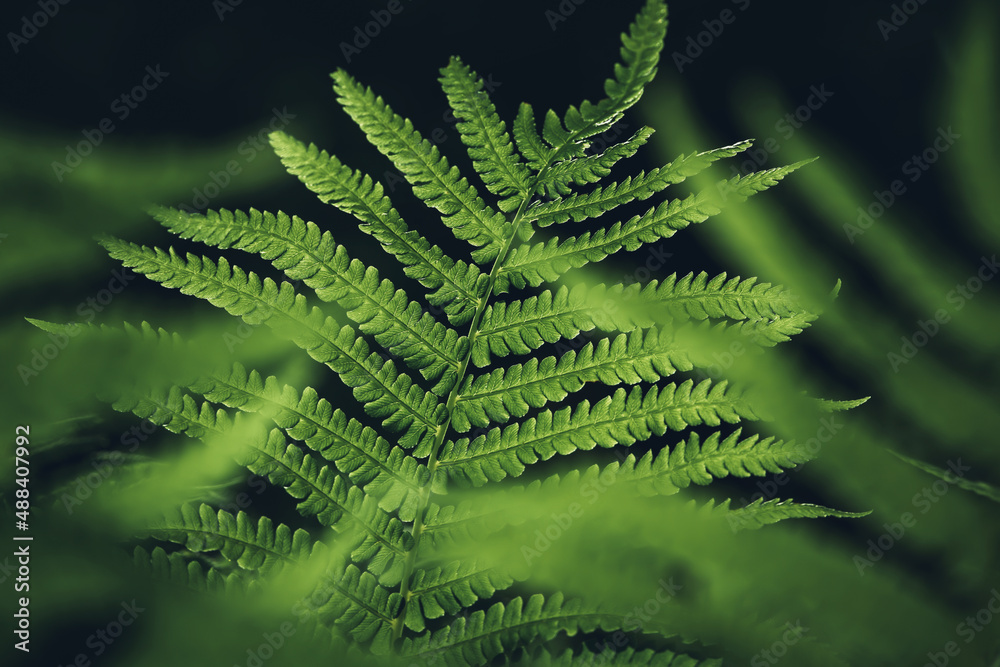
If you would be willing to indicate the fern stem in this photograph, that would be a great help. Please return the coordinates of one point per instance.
(432, 464)
(432, 461)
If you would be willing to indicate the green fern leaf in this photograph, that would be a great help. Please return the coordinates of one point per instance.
(629, 358)
(762, 512)
(623, 418)
(613, 421)
(484, 133)
(519, 327)
(175, 568)
(529, 143)
(381, 539)
(260, 547)
(624, 658)
(434, 181)
(391, 587)
(662, 474)
(177, 412)
(305, 253)
(983, 489)
(699, 298)
(387, 393)
(702, 462)
(769, 332)
(640, 52)
(592, 168)
(455, 285)
(559, 138)
(367, 459)
(547, 261)
(355, 604)
(446, 590)
(579, 207)
(499, 629)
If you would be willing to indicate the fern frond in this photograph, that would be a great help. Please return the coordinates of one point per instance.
(827, 405)
(579, 207)
(762, 512)
(627, 657)
(640, 53)
(611, 422)
(450, 588)
(529, 143)
(698, 297)
(486, 634)
(381, 538)
(693, 461)
(983, 489)
(176, 411)
(392, 586)
(175, 568)
(629, 358)
(305, 253)
(535, 264)
(558, 179)
(486, 136)
(353, 602)
(455, 285)
(769, 332)
(261, 546)
(434, 181)
(368, 460)
(561, 140)
(387, 394)
(499, 453)
(519, 327)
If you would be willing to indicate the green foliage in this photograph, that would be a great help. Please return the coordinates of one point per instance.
(937, 410)
(381, 478)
